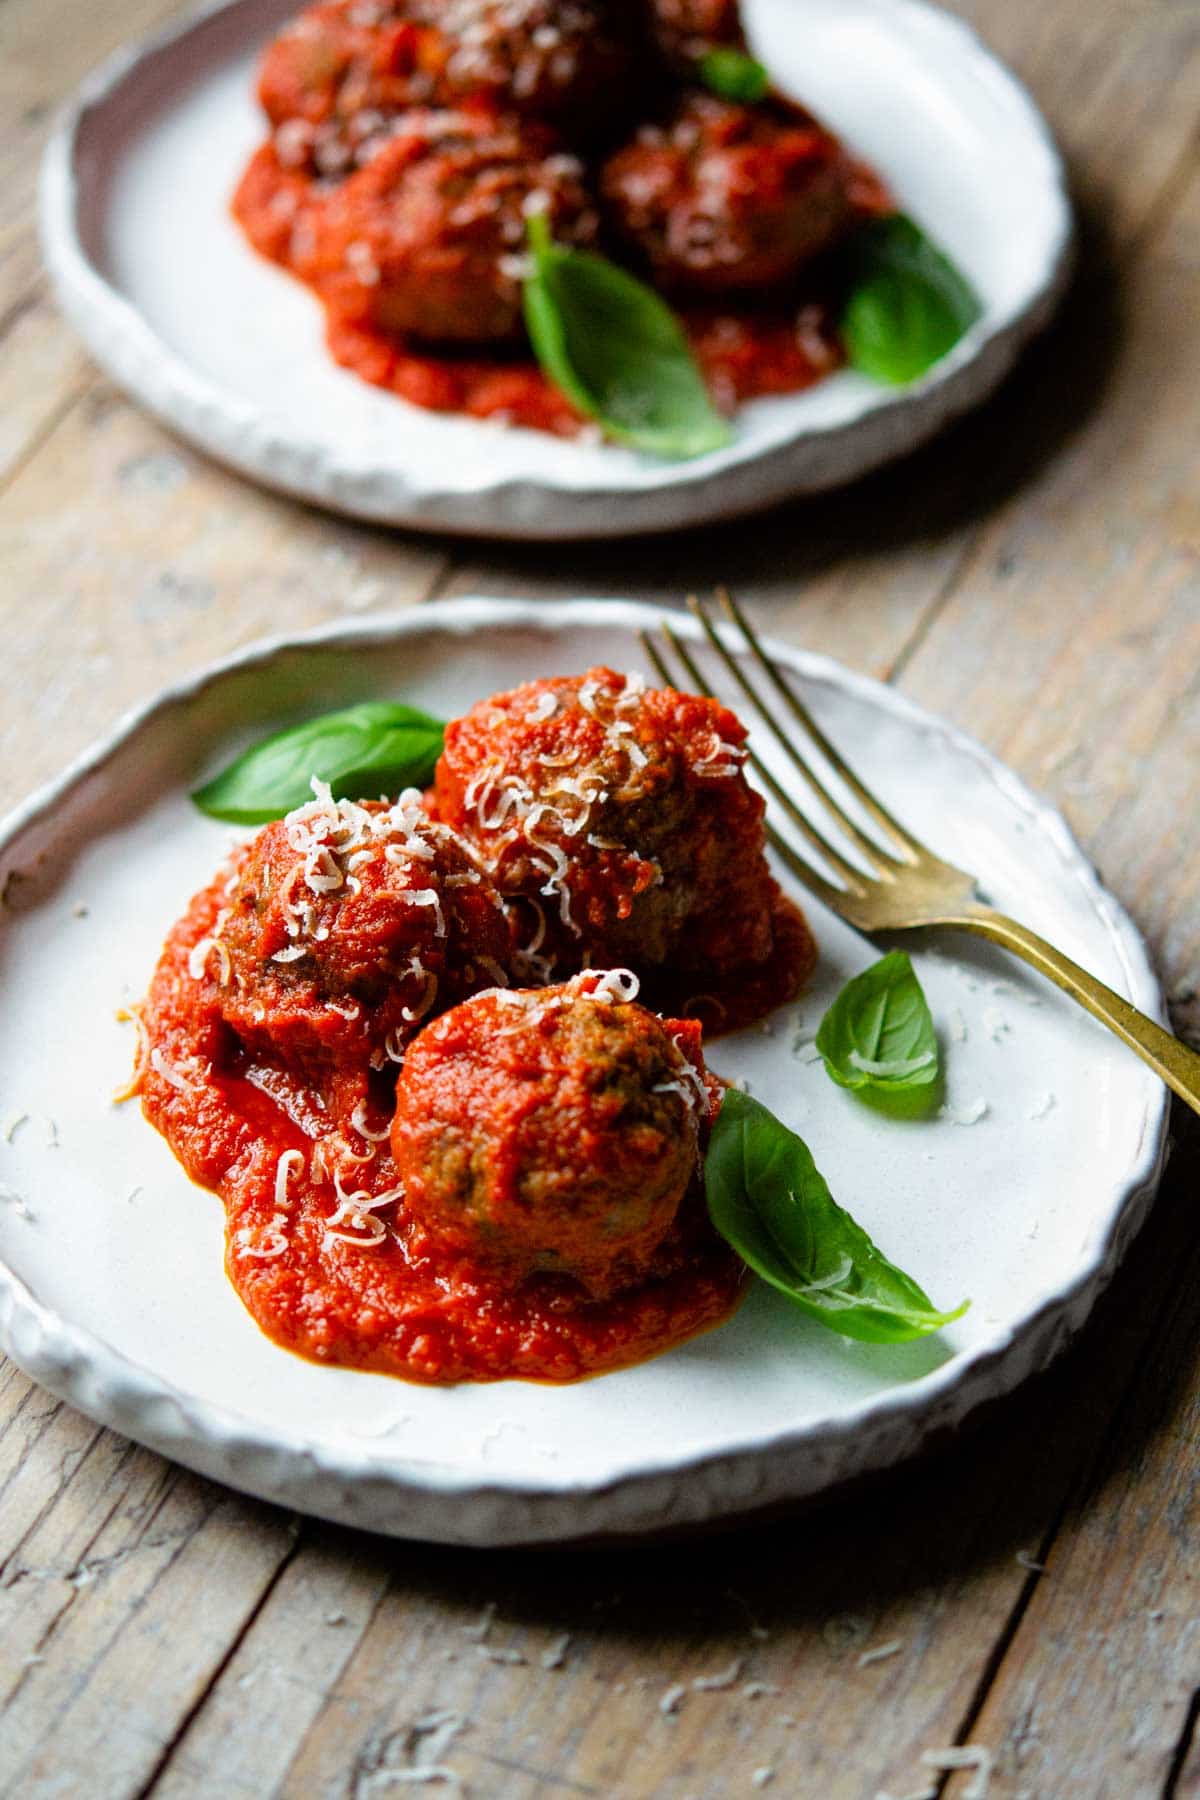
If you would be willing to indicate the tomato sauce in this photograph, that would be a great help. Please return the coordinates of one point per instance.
(378, 1296)
(745, 353)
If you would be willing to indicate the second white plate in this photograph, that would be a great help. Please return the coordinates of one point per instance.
(112, 1290)
(229, 351)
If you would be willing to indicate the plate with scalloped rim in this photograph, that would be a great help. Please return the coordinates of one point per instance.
(228, 349)
(112, 1290)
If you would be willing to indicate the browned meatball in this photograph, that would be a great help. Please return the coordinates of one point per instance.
(727, 198)
(334, 79)
(426, 240)
(346, 925)
(619, 819)
(551, 1132)
(573, 62)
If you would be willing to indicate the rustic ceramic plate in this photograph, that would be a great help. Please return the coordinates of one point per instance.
(112, 1292)
(228, 349)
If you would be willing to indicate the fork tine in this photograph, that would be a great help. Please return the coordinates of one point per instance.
(884, 861)
(854, 878)
(911, 848)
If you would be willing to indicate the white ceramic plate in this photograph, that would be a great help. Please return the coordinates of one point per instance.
(112, 1294)
(228, 349)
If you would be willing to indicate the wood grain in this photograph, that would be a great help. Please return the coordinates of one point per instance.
(1033, 576)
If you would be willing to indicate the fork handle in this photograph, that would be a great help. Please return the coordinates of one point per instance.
(1178, 1066)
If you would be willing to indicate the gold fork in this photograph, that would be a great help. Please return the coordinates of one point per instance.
(905, 885)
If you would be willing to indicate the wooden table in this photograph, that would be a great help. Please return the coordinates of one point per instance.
(1033, 1582)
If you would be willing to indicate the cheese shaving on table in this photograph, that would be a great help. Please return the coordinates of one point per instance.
(963, 1756)
(672, 1700)
(716, 1684)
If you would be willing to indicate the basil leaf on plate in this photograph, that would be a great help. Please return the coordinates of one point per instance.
(907, 304)
(733, 75)
(376, 747)
(768, 1199)
(617, 351)
(878, 1034)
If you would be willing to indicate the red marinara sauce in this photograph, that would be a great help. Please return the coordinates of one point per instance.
(409, 144)
(337, 1263)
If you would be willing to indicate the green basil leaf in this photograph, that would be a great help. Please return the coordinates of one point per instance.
(734, 75)
(617, 351)
(878, 1034)
(768, 1199)
(377, 747)
(907, 304)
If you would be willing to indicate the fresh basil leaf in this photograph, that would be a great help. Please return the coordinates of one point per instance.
(878, 1034)
(768, 1199)
(734, 75)
(907, 304)
(617, 351)
(377, 747)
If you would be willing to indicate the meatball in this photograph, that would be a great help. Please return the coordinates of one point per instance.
(551, 1132)
(334, 79)
(729, 199)
(620, 819)
(334, 82)
(346, 924)
(573, 62)
(426, 240)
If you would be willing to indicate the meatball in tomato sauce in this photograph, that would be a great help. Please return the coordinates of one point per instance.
(727, 199)
(553, 1132)
(572, 62)
(426, 240)
(333, 80)
(619, 821)
(334, 83)
(345, 926)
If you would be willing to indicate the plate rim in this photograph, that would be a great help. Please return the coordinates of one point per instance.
(665, 498)
(408, 1496)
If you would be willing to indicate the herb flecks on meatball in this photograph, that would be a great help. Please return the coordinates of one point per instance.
(346, 926)
(619, 820)
(426, 240)
(574, 63)
(726, 198)
(336, 81)
(552, 1133)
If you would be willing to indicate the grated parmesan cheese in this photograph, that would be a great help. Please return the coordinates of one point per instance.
(717, 1684)
(289, 1160)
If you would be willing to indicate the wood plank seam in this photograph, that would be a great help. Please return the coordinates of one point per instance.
(300, 1533)
(55, 418)
(1182, 1749)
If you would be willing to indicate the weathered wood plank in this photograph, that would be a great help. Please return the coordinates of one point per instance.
(167, 1583)
(1071, 641)
(42, 370)
(926, 1558)
(1094, 1693)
